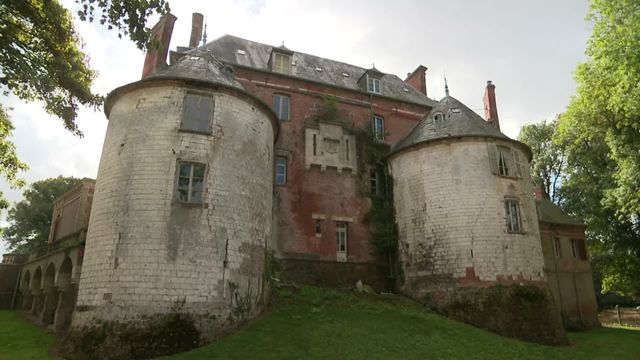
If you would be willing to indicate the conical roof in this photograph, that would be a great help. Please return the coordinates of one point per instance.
(448, 119)
(201, 66)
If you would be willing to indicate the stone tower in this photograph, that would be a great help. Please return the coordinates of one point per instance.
(464, 205)
(181, 217)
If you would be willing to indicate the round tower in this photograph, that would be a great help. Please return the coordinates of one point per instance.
(182, 209)
(467, 225)
(464, 205)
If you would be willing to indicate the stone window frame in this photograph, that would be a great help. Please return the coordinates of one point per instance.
(283, 166)
(374, 85)
(279, 97)
(189, 188)
(201, 94)
(378, 133)
(513, 216)
(281, 63)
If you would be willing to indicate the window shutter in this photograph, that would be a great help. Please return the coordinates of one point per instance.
(493, 158)
(519, 163)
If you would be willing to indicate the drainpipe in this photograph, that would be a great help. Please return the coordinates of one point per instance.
(555, 263)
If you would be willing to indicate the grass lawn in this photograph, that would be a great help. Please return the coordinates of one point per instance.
(19, 339)
(327, 324)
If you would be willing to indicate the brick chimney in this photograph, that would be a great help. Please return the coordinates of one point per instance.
(197, 20)
(157, 54)
(418, 79)
(490, 108)
(540, 193)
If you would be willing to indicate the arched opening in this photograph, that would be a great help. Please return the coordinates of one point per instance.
(36, 292)
(50, 294)
(66, 296)
(26, 291)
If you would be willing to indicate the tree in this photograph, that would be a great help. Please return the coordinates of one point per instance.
(30, 219)
(607, 100)
(41, 59)
(548, 156)
(10, 165)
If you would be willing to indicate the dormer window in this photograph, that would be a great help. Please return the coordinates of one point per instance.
(438, 119)
(282, 63)
(373, 85)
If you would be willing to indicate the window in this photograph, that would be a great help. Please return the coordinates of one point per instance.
(438, 119)
(281, 106)
(378, 128)
(373, 182)
(556, 247)
(341, 236)
(281, 63)
(190, 182)
(512, 212)
(196, 112)
(281, 170)
(504, 161)
(315, 144)
(578, 249)
(347, 149)
(373, 85)
(317, 224)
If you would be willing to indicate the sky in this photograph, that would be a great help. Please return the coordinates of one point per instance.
(529, 49)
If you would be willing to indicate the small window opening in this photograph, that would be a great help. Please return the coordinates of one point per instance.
(281, 170)
(315, 144)
(317, 224)
(190, 182)
(373, 182)
(556, 247)
(347, 149)
(512, 212)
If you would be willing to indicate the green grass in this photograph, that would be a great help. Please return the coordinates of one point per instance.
(20, 339)
(328, 324)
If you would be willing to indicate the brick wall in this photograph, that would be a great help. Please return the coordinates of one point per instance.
(148, 254)
(451, 219)
(327, 193)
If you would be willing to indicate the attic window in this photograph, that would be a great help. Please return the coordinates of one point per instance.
(405, 90)
(373, 85)
(318, 68)
(438, 119)
(241, 52)
(345, 74)
(281, 63)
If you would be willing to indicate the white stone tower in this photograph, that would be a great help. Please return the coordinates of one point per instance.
(181, 216)
(464, 205)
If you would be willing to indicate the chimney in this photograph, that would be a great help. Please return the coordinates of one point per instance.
(490, 109)
(197, 20)
(157, 53)
(418, 79)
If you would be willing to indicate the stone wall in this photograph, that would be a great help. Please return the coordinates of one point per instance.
(149, 254)
(8, 278)
(451, 219)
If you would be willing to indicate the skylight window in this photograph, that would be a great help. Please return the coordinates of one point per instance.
(405, 90)
(345, 74)
(241, 52)
(318, 68)
(455, 110)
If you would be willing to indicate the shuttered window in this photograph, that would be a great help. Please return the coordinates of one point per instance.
(505, 161)
(196, 113)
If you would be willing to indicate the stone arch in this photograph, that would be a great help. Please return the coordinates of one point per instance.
(63, 279)
(66, 296)
(36, 291)
(36, 282)
(50, 294)
(26, 279)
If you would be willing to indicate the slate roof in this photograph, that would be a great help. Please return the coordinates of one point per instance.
(201, 66)
(256, 55)
(549, 212)
(459, 121)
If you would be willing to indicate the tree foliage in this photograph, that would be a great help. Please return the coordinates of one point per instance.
(40, 51)
(10, 165)
(607, 101)
(30, 219)
(548, 157)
